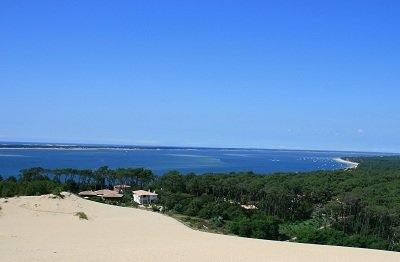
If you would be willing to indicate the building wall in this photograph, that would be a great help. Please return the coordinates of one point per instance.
(136, 199)
(144, 199)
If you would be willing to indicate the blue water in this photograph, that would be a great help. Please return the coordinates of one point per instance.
(163, 160)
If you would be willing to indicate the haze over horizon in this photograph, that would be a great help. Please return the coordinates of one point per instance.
(290, 75)
(38, 144)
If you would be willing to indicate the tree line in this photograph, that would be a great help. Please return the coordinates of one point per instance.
(356, 207)
(38, 180)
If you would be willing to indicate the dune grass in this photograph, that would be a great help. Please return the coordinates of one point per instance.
(81, 215)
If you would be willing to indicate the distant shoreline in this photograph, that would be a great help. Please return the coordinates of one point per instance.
(78, 148)
(51, 146)
(351, 165)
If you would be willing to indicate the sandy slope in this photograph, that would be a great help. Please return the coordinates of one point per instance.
(45, 229)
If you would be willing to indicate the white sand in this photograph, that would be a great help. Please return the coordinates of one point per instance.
(349, 164)
(45, 229)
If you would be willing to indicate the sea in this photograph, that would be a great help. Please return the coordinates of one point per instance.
(162, 160)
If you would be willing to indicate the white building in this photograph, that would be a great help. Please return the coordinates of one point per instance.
(144, 197)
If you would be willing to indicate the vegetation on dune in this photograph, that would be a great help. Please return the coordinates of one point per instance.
(357, 207)
(81, 215)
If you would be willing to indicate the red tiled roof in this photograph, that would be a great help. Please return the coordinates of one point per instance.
(105, 192)
(144, 193)
(87, 193)
(112, 195)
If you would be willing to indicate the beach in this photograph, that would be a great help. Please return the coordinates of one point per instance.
(44, 228)
(349, 164)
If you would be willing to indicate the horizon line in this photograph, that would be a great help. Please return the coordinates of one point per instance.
(115, 145)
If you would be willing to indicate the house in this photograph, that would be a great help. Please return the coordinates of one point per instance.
(122, 188)
(143, 197)
(108, 194)
(113, 196)
(103, 193)
(87, 194)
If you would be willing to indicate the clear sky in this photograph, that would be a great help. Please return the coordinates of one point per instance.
(264, 74)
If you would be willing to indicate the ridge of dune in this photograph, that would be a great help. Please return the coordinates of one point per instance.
(43, 228)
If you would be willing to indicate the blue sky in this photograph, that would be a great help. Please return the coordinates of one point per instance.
(264, 74)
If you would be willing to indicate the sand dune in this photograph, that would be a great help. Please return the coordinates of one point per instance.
(45, 229)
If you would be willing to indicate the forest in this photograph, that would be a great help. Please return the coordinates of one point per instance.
(354, 207)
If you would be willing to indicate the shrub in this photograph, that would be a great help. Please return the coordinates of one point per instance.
(155, 208)
(81, 215)
(57, 192)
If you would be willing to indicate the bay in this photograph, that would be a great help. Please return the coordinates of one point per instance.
(184, 160)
